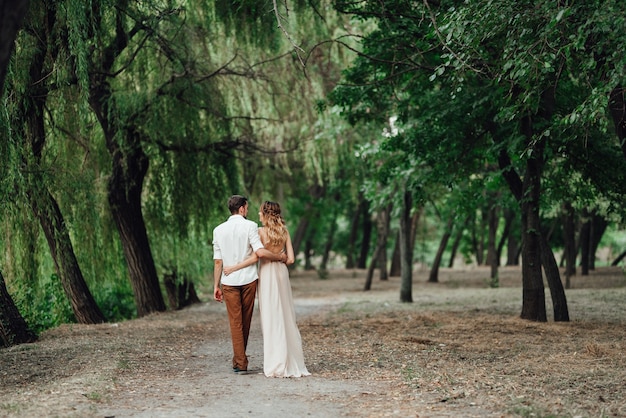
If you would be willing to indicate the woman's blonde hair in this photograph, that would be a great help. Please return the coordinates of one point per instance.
(274, 223)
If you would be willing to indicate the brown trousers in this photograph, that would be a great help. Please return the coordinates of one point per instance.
(240, 305)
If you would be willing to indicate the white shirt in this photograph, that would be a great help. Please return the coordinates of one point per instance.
(234, 241)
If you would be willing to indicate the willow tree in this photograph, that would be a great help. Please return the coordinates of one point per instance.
(13, 328)
(188, 115)
(38, 51)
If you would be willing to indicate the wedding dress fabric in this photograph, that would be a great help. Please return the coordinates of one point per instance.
(282, 343)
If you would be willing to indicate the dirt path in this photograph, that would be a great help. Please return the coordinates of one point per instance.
(207, 387)
(458, 350)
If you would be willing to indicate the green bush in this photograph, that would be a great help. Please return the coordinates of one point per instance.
(116, 301)
(45, 306)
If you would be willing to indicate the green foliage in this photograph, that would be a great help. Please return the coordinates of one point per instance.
(44, 306)
(115, 300)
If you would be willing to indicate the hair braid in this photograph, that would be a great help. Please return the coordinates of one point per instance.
(274, 223)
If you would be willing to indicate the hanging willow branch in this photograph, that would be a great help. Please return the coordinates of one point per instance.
(279, 19)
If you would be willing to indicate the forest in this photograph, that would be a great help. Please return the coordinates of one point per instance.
(393, 133)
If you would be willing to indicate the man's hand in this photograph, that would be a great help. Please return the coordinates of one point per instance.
(283, 257)
(217, 294)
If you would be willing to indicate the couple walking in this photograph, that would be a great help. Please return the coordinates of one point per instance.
(238, 244)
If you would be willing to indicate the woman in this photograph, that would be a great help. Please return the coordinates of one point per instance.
(282, 344)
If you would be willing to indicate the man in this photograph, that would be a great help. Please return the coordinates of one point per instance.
(234, 241)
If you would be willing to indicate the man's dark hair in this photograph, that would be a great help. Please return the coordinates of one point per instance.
(235, 202)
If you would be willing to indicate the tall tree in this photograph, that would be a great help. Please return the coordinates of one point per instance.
(28, 113)
(13, 328)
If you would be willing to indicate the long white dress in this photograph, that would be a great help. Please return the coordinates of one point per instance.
(282, 343)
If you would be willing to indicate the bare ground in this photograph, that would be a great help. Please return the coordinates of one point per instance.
(459, 349)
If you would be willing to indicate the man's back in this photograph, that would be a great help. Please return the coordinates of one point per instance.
(234, 241)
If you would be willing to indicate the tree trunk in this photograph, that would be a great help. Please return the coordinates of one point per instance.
(12, 13)
(383, 231)
(408, 226)
(354, 233)
(129, 167)
(46, 209)
(512, 250)
(508, 221)
(300, 233)
(585, 238)
(533, 300)
(569, 239)
(308, 254)
(618, 259)
(13, 327)
(598, 227)
(125, 186)
(478, 239)
(329, 244)
(551, 268)
(367, 236)
(396, 269)
(433, 277)
(457, 241)
(181, 292)
(382, 223)
(370, 271)
(492, 252)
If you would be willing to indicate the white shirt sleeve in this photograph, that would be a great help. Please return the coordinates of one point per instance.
(255, 239)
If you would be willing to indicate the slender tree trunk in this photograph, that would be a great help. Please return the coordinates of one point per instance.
(13, 327)
(569, 238)
(383, 230)
(396, 269)
(47, 211)
(618, 259)
(300, 233)
(551, 268)
(585, 238)
(598, 227)
(354, 233)
(478, 239)
(367, 236)
(329, 244)
(492, 252)
(457, 241)
(509, 216)
(512, 250)
(370, 270)
(382, 223)
(308, 254)
(408, 226)
(433, 277)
